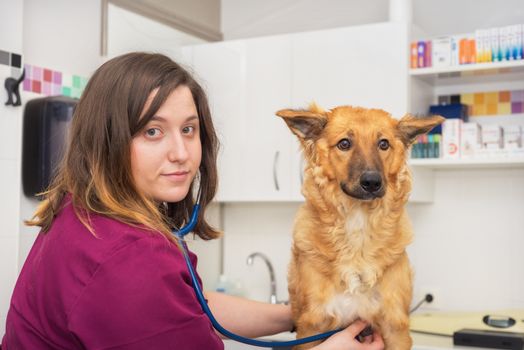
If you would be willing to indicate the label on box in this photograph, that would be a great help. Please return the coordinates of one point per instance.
(451, 138)
(470, 140)
(492, 137)
(512, 137)
(442, 52)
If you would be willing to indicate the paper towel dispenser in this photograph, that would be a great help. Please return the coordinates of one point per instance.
(45, 127)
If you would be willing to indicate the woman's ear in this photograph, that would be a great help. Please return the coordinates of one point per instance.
(307, 125)
(409, 127)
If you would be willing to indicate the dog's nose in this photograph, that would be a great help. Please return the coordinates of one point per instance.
(371, 181)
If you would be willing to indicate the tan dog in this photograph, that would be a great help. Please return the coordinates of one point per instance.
(349, 260)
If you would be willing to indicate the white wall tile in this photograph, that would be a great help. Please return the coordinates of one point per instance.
(258, 227)
(208, 252)
(9, 202)
(468, 241)
(10, 121)
(8, 275)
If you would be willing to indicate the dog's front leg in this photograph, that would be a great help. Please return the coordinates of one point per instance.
(395, 338)
(307, 325)
(396, 291)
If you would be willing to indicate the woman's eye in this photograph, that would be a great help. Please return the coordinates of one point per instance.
(344, 144)
(153, 132)
(383, 144)
(188, 129)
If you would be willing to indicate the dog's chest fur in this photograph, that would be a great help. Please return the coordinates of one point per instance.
(359, 297)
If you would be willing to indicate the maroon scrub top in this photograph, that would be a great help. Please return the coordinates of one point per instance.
(125, 288)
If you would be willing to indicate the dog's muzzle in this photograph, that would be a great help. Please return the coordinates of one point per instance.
(370, 186)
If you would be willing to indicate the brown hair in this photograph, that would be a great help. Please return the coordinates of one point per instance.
(96, 169)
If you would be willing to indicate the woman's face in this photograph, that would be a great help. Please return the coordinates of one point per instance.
(166, 154)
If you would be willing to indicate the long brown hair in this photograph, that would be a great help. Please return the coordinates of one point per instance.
(96, 169)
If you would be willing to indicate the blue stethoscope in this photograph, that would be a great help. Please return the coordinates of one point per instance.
(179, 234)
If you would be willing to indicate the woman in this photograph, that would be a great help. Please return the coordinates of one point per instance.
(105, 272)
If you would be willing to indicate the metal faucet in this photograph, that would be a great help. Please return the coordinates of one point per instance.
(273, 285)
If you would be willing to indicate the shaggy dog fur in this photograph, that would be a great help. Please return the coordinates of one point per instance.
(349, 260)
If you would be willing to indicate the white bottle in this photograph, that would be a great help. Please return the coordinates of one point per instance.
(223, 285)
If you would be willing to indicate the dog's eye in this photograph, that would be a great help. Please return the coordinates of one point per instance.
(383, 144)
(344, 144)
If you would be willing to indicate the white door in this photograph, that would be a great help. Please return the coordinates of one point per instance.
(362, 66)
(221, 69)
(267, 151)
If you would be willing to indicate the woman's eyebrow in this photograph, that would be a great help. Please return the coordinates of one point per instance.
(158, 118)
(191, 118)
(162, 119)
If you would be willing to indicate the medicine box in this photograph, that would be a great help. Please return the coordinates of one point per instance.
(442, 52)
(470, 140)
(512, 136)
(451, 138)
(492, 136)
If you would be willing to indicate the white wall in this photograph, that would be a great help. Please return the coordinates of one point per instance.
(444, 17)
(11, 14)
(128, 32)
(61, 35)
(58, 34)
(468, 243)
(250, 18)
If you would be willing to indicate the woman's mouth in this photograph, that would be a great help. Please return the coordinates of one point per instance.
(177, 176)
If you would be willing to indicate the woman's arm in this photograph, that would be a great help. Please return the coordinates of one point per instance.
(249, 318)
(254, 319)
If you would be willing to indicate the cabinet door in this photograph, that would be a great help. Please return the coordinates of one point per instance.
(362, 66)
(267, 150)
(221, 68)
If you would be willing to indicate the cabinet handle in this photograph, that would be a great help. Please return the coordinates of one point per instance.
(275, 177)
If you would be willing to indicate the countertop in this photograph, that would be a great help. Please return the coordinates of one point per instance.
(420, 342)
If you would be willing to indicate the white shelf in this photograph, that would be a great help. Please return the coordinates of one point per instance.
(470, 71)
(482, 163)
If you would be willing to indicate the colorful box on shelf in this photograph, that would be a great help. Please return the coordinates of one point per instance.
(485, 45)
(461, 140)
(426, 146)
(489, 103)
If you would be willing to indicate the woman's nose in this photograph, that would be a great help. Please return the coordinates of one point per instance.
(177, 150)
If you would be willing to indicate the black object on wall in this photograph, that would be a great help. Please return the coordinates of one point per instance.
(12, 86)
(45, 128)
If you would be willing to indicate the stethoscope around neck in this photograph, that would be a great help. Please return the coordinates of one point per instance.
(179, 234)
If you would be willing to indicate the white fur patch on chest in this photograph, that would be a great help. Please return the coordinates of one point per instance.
(357, 221)
(347, 307)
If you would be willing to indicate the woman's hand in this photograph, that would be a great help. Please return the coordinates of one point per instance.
(346, 339)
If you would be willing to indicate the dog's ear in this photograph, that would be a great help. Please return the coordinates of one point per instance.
(307, 125)
(409, 127)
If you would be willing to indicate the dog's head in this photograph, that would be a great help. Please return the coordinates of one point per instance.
(360, 150)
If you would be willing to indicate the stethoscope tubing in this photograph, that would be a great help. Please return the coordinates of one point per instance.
(203, 303)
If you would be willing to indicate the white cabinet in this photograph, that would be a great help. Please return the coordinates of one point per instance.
(247, 81)
(221, 69)
(363, 66)
(267, 152)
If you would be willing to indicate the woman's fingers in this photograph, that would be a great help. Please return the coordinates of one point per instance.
(356, 327)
